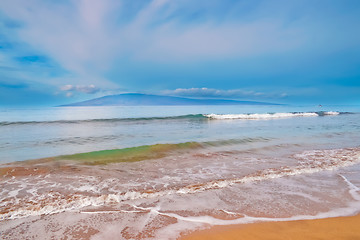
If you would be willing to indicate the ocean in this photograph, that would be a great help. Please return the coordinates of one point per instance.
(158, 172)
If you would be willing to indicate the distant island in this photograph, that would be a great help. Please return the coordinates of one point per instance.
(139, 99)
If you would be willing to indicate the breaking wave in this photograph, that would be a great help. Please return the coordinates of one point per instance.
(189, 117)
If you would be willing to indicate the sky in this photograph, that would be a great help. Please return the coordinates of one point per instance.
(300, 51)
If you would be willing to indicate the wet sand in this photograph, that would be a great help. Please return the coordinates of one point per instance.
(339, 228)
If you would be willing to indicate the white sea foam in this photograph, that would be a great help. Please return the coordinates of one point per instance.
(353, 189)
(351, 208)
(310, 162)
(331, 113)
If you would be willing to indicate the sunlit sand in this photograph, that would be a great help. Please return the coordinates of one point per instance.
(340, 228)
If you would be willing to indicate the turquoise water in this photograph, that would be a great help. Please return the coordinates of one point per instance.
(45, 132)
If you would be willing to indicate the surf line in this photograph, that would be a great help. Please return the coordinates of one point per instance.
(352, 208)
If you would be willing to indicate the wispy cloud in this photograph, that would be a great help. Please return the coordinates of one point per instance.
(84, 37)
(219, 93)
(74, 34)
(118, 44)
(71, 89)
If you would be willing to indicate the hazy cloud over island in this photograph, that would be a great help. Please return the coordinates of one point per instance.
(219, 93)
(91, 89)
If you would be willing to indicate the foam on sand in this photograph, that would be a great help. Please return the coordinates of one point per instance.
(55, 202)
(325, 225)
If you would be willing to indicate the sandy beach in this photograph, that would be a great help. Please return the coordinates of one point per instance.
(330, 228)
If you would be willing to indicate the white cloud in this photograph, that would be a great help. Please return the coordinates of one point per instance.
(69, 94)
(90, 89)
(212, 41)
(75, 35)
(67, 87)
(85, 38)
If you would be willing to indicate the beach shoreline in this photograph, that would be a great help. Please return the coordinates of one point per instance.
(165, 178)
(326, 228)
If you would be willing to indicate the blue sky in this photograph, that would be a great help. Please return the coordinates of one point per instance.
(57, 52)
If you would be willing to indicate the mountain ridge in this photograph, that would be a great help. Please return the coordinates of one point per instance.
(140, 99)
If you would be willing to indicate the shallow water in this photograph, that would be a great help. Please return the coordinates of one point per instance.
(37, 133)
(244, 169)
